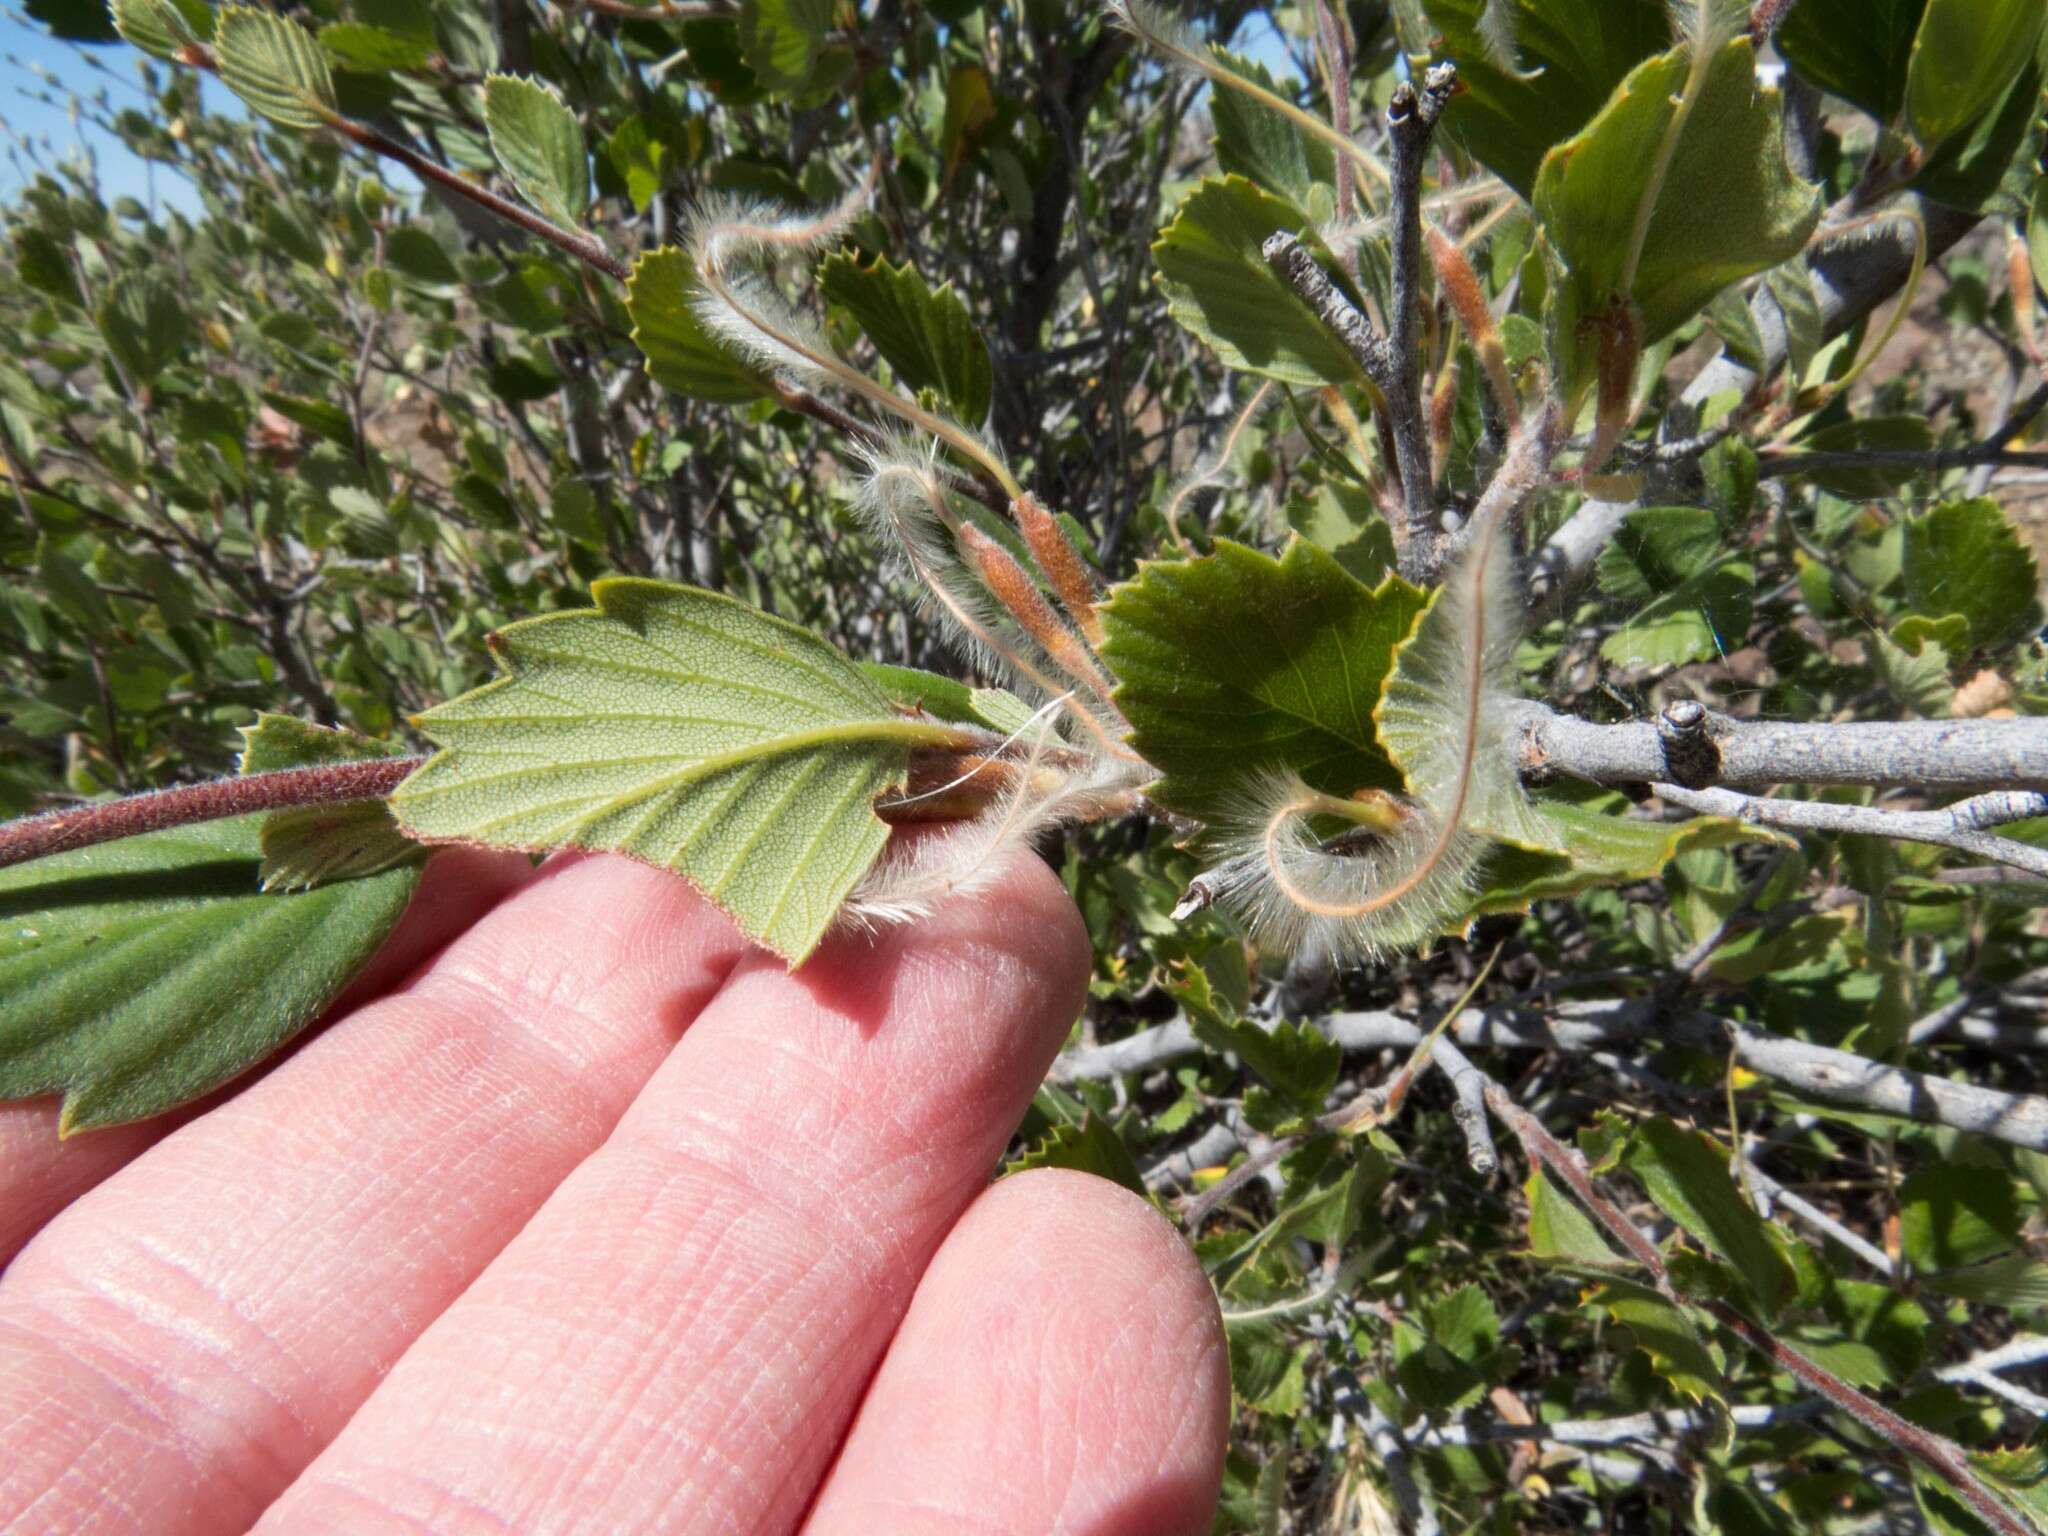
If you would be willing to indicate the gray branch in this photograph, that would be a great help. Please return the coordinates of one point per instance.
(1756, 754)
(1956, 826)
(1818, 1071)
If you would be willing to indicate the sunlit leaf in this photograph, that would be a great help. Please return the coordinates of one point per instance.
(1965, 54)
(680, 353)
(540, 145)
(1567, 58)
(925, 334)
(274, 65)
(1726, 207)
(1219, 286)
(1237, 661)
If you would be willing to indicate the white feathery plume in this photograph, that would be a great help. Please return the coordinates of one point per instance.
(1402, 876)
(915, 876)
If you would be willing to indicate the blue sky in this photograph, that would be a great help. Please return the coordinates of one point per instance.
(38, 75)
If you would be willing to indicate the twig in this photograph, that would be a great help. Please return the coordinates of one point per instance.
(1411, 121)
(1658, 1426)
(970, 781)
(1819, 1071)
(104, 821)
(1772, 1193)
(1955, 827)
(1756, 754)
(1470, 1111)
(1377, 359)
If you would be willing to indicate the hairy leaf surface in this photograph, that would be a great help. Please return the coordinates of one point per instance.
(683, 728)
(137, 975)
(1237, 661)
(1727, 206)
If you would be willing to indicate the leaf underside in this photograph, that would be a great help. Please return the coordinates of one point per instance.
(687, 730)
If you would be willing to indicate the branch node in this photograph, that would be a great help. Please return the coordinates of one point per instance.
(1691, 759)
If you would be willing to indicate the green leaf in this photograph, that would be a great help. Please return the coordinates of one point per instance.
(1991, 161)
(1965, 557)
(683, 728)
(162, 27)
(927, 336)
(274, 65)
(144, 325)
(1411, 722)
(539, 144)
(1559, 1230)
(1707, 617)
(1865, 434)
(1666, 1335)
(1093, 1146)
(1254, 141)
(1219, 286)
(137, 975)
(1858, 50)
(1658, 550)
(780, 39)
(1726, 207)
(1298, 1060)
(681, 354)
(1568, 56)
(2017, 1282)
(373, 50)
(43, 264)
(945, 698)
(1965, 54)
(1951, 1215)
(1686, 1174)
(1585, 847)
(1236, 662)
(641, 159)
(1443, 1366)
(313, 845)
(319, 417)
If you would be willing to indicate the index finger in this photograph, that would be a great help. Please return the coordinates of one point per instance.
(679, 1338)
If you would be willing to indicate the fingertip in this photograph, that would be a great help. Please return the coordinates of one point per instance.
(1063, 1367)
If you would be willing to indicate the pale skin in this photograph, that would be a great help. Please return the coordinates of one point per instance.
(584, 1215)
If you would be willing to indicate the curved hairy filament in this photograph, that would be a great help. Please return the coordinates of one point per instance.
(1404, 874)
(1170, 36)
(745, 309)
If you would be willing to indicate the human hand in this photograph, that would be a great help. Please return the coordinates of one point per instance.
(601, 1221)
